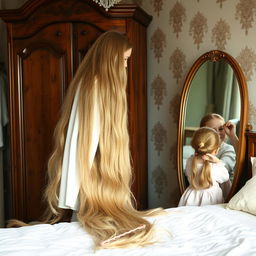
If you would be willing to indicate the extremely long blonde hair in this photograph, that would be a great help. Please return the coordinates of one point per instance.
(205, 140)
(106, 202)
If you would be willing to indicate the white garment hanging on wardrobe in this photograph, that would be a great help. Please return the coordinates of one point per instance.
(70, 183)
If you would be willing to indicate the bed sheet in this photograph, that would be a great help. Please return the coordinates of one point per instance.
(191, 230)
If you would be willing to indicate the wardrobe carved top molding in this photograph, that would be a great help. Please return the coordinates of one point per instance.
(117, 11)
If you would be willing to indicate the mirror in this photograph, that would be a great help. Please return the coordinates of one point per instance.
(214, 84)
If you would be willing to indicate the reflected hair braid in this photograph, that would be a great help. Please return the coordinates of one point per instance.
(205, 140)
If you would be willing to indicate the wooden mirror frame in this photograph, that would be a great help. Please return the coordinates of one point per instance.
(215, 56)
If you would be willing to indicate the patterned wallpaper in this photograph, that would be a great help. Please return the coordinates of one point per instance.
(179, 33)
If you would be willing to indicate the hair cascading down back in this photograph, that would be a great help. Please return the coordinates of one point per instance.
(205, 140)
(106, 202)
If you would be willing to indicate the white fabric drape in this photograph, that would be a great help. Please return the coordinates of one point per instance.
(70, 183)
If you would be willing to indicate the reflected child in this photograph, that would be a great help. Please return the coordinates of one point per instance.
(204, 170)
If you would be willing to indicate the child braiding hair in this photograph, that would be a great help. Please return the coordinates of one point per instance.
(204, 170)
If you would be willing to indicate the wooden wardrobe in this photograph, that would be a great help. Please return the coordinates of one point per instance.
(47, 39)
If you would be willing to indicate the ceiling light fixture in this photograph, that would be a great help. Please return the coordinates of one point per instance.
(107, 3)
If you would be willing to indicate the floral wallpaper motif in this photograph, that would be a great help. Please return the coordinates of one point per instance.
(158, 4)
(177, 64)
(252, 113)
(158, 89)
(245, 12)
(198, 28)
(247, 60)
(220, 34)
(158, 42)
(220, 2)
(159, 137)
(159, 180)
(177, 17)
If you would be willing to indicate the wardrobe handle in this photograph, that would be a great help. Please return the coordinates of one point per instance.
(83, 32)
(58, 34)
(25, 50)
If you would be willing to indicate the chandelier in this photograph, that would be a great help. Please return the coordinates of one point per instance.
(107, 3)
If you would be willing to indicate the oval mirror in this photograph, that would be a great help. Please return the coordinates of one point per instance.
(214, 84)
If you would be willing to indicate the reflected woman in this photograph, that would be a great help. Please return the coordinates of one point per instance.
(227, 152)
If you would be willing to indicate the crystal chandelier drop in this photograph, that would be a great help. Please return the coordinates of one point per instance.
(107, 3)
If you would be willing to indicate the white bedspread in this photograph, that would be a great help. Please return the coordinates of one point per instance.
(208, 230)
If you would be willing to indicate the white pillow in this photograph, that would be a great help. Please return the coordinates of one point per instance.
(253, 161)
(245, 199)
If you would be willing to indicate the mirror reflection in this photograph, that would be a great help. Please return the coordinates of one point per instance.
(213, 101)
(205, 171)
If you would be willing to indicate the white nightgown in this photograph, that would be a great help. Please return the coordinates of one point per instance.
(212, 195)
(70, 179)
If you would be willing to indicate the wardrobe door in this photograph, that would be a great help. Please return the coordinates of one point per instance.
(84, 36)
(41, 71)
(47, 40)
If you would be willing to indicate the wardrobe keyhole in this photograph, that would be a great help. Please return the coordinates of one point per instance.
(83, 32)
(58, 34)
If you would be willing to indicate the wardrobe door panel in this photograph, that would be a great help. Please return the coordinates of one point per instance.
(137, 103)
(42, 72)
(84, 37)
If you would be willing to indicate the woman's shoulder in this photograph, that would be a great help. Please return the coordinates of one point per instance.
(226, 147)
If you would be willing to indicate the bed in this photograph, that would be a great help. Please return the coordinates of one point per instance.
(208, 230)
(215, 230)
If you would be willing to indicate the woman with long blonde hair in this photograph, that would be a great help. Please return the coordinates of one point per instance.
(90, 168)
(204, 175)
